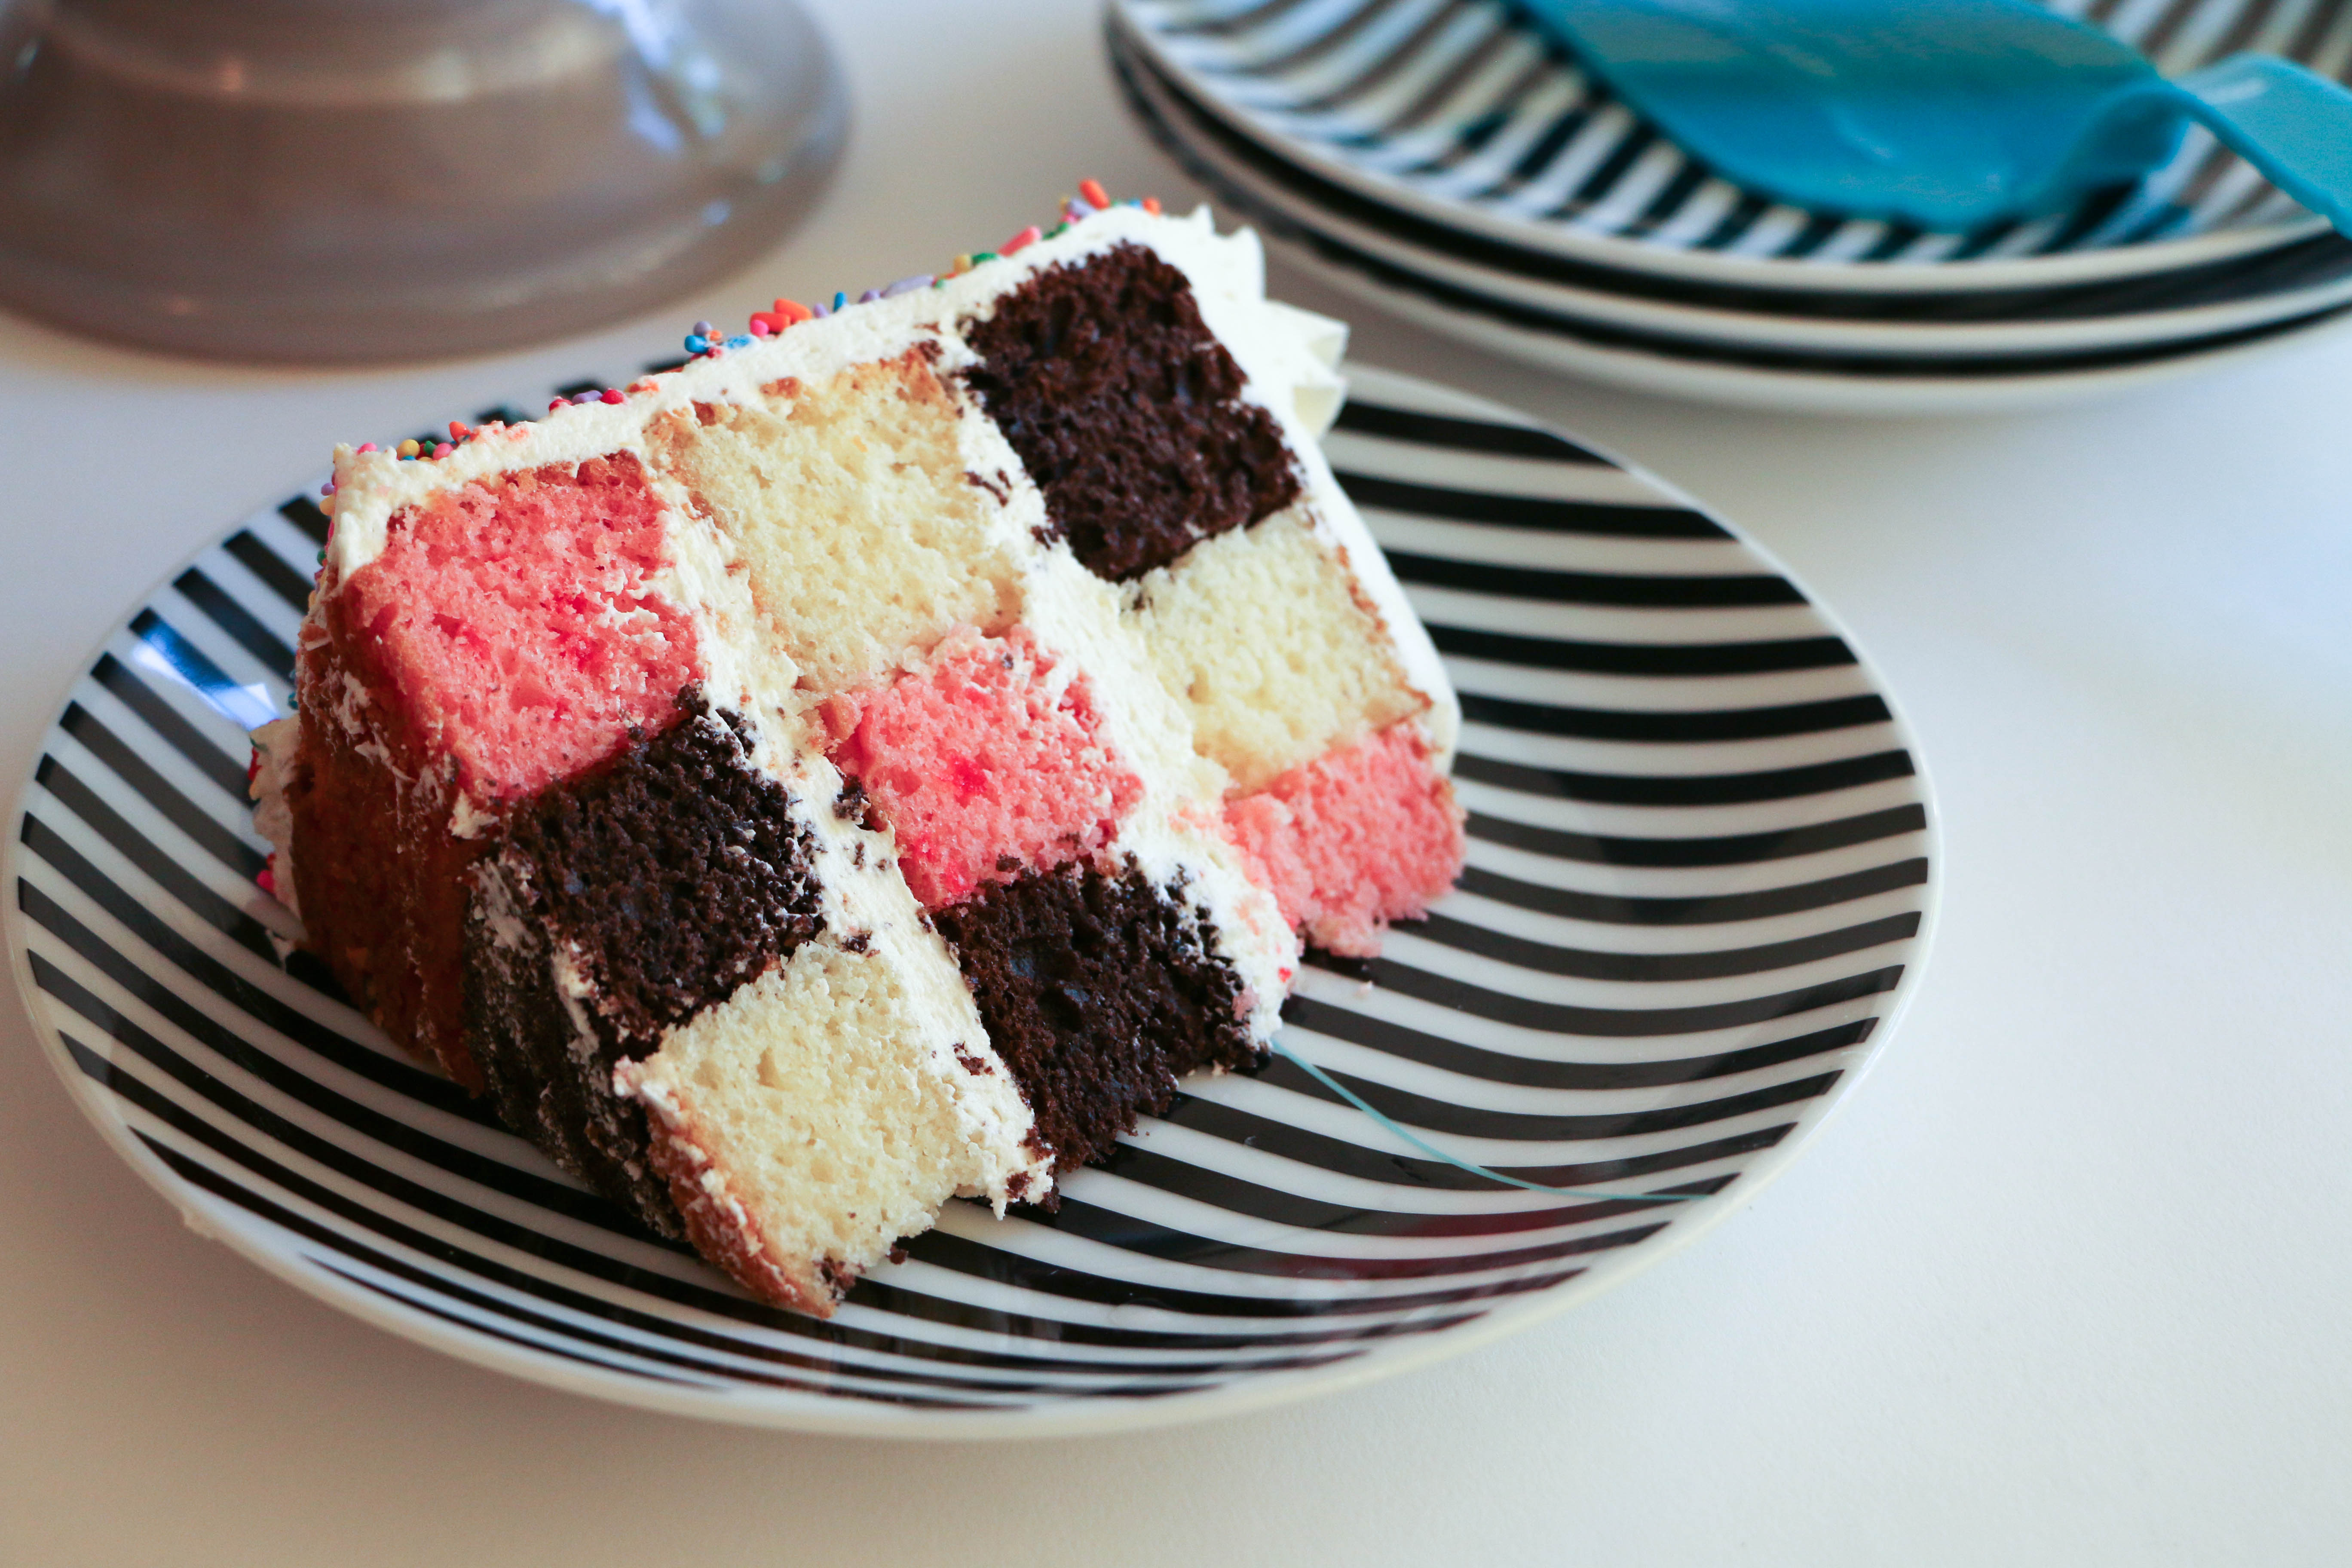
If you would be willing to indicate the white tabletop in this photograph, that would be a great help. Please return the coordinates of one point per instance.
(2064, 1283)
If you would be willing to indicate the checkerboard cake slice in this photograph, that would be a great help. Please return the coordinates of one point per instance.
(872, 762)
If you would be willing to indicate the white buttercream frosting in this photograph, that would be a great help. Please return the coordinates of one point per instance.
(1289, 359)
(274, 746)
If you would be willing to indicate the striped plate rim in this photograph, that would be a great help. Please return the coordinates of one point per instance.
(2193, 307)
(1453, 111)
(1756, 365)
(1699, 891)
(1641, 367)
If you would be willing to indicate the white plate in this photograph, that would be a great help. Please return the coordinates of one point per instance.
(1698, 891)
(1453, 111)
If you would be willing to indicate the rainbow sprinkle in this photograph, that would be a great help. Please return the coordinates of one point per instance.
(703, 338)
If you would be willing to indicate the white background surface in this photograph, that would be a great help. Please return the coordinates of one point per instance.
(2066, 1282)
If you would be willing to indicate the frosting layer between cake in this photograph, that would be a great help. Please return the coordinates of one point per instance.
(871, 765)
(622, 902)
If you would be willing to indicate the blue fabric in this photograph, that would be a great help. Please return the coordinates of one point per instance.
(1944, 113)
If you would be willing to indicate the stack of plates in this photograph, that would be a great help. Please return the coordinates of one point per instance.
(1436, 157)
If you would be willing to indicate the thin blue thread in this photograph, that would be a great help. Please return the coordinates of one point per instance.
(1427, 1147)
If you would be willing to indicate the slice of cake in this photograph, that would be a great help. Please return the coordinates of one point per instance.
(870, 763)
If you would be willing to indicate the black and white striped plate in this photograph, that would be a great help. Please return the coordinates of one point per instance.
(1831, 353)
(2169, 311)
(1455, 111)
(1698, 884)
